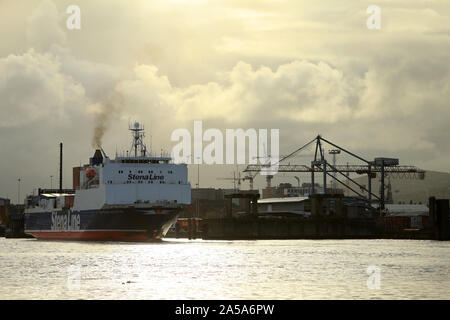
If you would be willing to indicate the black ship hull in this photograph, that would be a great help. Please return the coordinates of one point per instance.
(116, 224)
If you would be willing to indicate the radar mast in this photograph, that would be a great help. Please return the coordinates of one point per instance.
(138, 139)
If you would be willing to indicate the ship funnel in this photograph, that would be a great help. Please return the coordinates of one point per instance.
(97, 158)
(104, 153)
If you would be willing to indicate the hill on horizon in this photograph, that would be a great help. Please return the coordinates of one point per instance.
(407, 190)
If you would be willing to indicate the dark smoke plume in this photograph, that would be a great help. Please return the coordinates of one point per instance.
(109, 110)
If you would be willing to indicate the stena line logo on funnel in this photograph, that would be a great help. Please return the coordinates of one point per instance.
(256, 151)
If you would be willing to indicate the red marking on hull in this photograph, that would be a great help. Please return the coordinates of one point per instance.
(96, 235)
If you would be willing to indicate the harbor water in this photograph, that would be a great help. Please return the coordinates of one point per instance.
(198, 269)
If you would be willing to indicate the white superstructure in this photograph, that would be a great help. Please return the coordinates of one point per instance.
(137, 180)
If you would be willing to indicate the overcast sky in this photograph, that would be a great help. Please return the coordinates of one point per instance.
(304, 67)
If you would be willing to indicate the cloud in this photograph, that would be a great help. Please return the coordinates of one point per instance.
(299, 90)
(43, 30)
(305, 68)
(33, 88)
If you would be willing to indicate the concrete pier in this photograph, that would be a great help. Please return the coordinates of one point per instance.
(330, 219)
(288, 228)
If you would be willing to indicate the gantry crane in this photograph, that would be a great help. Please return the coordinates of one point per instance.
(235, 179)
(319, 164)
(250, 177)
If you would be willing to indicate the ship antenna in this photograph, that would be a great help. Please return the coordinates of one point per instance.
(138, 139)
(151, 145)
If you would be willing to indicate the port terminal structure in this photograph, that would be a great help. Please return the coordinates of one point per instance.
(380, 165)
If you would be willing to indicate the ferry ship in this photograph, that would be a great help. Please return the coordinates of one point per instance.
(136, 197)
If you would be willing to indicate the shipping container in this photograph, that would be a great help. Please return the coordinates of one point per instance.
(396, 223)
(426, 222)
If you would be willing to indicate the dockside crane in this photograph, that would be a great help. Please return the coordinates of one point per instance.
(250, 177)
(381, 165)
(234, 179)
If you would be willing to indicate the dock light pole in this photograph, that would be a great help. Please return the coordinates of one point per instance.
(198, 173)
(298, 181)
(18, 192)
(60, 166)
(197, 208)
(51, 182)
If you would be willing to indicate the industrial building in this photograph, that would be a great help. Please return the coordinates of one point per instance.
(286, 206)
(209, 194)
(284, 190)
(4, 205)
